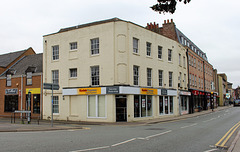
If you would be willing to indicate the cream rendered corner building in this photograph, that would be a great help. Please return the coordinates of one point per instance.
(109, 71)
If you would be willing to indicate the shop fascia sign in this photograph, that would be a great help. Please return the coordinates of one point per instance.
(11, 91)
(195, 92)
(89, 91)
(148, 91)
(33, 90)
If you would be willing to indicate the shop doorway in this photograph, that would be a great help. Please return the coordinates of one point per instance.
(121, 108)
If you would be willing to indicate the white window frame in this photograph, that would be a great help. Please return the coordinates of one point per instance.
(135, 45)
(95, 46)
(136, 75)
(170, 79)
(73, 46)
(148, 48)
(164, 113)
(169, 55)
(160, 78)
(55, 98)
(149, 77)
(55, 76)
(73, 73)
(96, 81)
(55, 52)
(160, 52)
(96, 108)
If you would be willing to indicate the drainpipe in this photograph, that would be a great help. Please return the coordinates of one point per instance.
(21, 94)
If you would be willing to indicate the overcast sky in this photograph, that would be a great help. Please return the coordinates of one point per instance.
(213, 25)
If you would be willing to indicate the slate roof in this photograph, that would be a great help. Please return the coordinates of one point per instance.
(191, 44)
(8, 58)
(35, 60)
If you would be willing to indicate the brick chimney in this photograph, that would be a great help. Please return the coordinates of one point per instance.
(168, 29)
(153, 27)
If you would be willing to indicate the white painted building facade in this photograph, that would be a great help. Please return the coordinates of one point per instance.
(110, 71)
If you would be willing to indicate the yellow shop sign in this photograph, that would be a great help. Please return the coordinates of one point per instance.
(148, 91)
(87, 91)
(34, 90)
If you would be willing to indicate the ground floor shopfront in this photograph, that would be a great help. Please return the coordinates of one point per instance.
(111, 104)
(201, 100)
(13, 100)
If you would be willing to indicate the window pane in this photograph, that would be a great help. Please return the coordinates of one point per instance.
(149, 77)
(171, 105)
(143, 106)
(148, 47)
(95, 75)
(166, 105)
(55, 104)
(11, 103)
(161, 105)
(169, 55)
(135, 75)
(95, 46)
(159, 52)
(55, 76)
(91, 106)
(73, 46)
(73, 73)
(36, 103)
(55, 52)
(170, 79)
(160, 75)
(149, 105)
(136, 106)
(135, 45)
(101, 106)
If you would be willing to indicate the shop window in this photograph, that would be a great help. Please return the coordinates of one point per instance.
(27, 97)
(11, 103)
(165, 105)
(142, 106)
(96, 106)
(184, 103)
(36, 103)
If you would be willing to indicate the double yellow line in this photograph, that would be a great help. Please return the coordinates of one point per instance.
(221, 143)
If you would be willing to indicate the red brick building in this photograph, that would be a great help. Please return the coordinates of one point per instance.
(22, 77)
(200, 71)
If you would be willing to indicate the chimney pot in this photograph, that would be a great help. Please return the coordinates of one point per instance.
(171, 20)
(168, 21)
(164, 21)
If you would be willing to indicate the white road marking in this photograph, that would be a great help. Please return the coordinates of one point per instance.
(210, 150)
(90, 149)
(124, 142)
(209, 120)
(189, 126)
(158, 134)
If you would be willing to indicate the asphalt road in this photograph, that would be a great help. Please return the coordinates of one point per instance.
(197, 134)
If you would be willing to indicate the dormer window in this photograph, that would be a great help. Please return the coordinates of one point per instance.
(30, 70)
(9, 80)
(29, 78)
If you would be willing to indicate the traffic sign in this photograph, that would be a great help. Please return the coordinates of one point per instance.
(50, 86)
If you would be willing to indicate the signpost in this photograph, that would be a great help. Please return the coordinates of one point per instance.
(51, 86)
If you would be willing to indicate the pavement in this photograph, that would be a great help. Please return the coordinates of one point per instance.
(45, 125)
